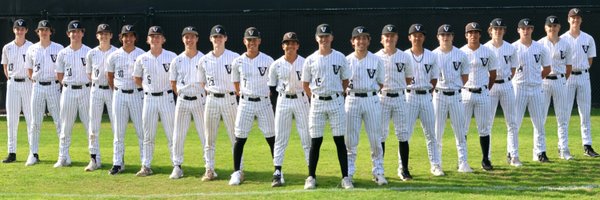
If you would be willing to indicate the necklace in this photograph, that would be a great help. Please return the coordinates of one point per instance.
(413, 56)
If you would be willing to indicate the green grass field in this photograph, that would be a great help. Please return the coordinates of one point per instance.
(576, 179)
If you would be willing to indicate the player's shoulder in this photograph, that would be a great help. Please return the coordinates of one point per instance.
(231, 53)
(169, 54)
(8, 45)
(265, 57)
(56, 45)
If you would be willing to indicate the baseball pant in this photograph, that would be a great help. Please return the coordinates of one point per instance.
(42, 96)
(579, 89)
(185, 109)
(18, 98)
(532, 98)
(321, 110)
(369, 110)
(216, 108)
(261, 109)
(98, 98)
(504, 94)
(478, 104)
(556, 90)
(155, 106)
(394, 109)
(286, 108)
(450, 103)
(72, 102)
(126, 106)
(421, 106)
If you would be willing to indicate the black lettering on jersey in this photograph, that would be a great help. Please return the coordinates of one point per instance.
(53, 57)
(428, 67)
(318, 81)
(520, 69)
(23, 57)
(562, 55)
(537, 57)
(166, 66)
(484, 61)
(11, 66)
(506, 59)
(400, 66)
(83, 61)
(284, 86)
(350, 84)
(262, 70)
(336, 69)
(299, 74)
(228, 69)
(585, 48)
(371, 72)
(456, 65)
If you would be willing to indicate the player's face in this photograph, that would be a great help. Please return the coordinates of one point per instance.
(128, 39)
(290, 47)
(525, 32)
(361, 43)
(575, 21)
(218, 40)
(416, 39)
(252, 44)
(445, 39)
(190, 40)
(389, 40)
(156, 40)
(75, 35)
(20, 31)
(497, 32)
(473, 37)
(324, 41)
(44, 33)
(552, 29)
(104, 36)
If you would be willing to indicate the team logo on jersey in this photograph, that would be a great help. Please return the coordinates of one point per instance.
(228, 69)
(562, 55)
(507, 58)
(371, 72)
(336, 69)
(484, 61)
(299, 74)
(585, 48)
(537, 57)
(262, 70)
(166, 66)
(53, 57)
(83, 61)
(428, 67)
(456, 65)
(400, 67)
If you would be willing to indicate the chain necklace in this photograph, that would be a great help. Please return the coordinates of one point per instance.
(413, 56)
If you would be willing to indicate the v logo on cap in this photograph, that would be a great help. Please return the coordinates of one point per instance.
(43, 23)
(154, 29)
(250, 32)
(323, 29)
(389, 28)
(526, 23)
(103, 26)
(446, 28)
(20, 23)
(473, 25)
(75, 25)
(289, 35)
(551, 20)
(218, 30)
(418, 28)
(128, 28)
(360, 30)
(499, 22)
(576, 10)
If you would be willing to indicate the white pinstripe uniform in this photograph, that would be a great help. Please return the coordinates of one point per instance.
(324, 73)
(480, 62)
(363, 104)
(393, 102)
(578, 86)
(190, 101)
(42, 61)
(215, 73)
(286, 77)
(18, 90)
(158, 99)
(252, 73)
(503, 91)
(127, 101)
(528, 93)
(447, 99)
(555, 87)
(75, 97)
(100, 95)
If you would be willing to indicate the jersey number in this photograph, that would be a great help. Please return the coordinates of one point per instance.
(120, 73)
(97, 72)
(69, 72)
(211, 81)
(11, 67)
(149, 80)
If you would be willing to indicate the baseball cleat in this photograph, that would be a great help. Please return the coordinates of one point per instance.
(565, 154)
(144, 171)
(486, 165)
(464, 167)
(116, 169)
(310, 183)
(93, 165)
(236, 178)
(32, 159)
(380, 179)
(542, 157)
(347, 183)
(11, 157)
(436, 170)
(62, 163)
(515, 162)
(209, 175)
(405, 175)
(177, 173)
(589, 151)
(277, 179)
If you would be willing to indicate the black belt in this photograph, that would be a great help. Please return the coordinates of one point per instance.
(475, 90)
(192, 98)
(554, 77)
(77, 87)
(129, 91)
(579, 72)
(47, 83)
(327, 98)
(501, 81)
(157, 94)
(17, 79)
(291, 96)
(419, 91)
(221, 95)
(104, 87)
(449, 93)
(362, 94)
(393, 94)
(256, 99)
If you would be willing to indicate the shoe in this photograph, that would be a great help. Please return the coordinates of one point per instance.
(380, 179)
(116, 169)
(514, 161)
(464, 167)
(236, 178)
(405, 175)
(310, 183)
(62, 163)
(177, 173)
(277, 179)
(93, 165)
(209, 175)
(565, 154)
(436, 170)
(144, 171)
(32, 159)
(486, 165)
(587, 149)
(542, 157)
(11, 157)
(347, 183)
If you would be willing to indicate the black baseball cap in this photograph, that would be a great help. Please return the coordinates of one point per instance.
(360, 31)
(20, 23)
(324, 29)
(497, 22)
(218, 30)
(526, 22)
(44, 24)
(190, 30)
(128, 28)
(103, 28)
(574, 12)
(416, 28)
(390, 28)
(251, 32)
(75, 25)
(445, 29)
(473, 26)
(155, 30)
(550, 20)
(290, 36)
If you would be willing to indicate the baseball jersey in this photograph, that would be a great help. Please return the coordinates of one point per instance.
(287, 76)
(13, 56)
(583, 47)
(96, 61)
(252, 74)
(506, 56)
(397, 68)
(530, 61)
(184, 70)
(325, 72)
(121, 64)
(425, 69)
(72, 63)
(367, 73)
(154, 71)
(560, 53)
(453, 65)
(215, 72)
(480, 62)
(42, 60)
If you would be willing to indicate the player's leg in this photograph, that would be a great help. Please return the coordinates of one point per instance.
(212, 116)
(440, 108)
(354, 112)
(398, 114)
(182, 124)
(316, 124)
(38, 106)
(538, 118)
(427, 117)
(135, 103)
(166, 111)
(266, 122)
(283, 122)
(68, 112)
(13, 110)
(372, 120)
(25, 99)
(521, 99)
(301, 108)
(243, 124)
(496, 93)
(482, 115)
(337, 116)
(560, 99)
(584, 98)
(197, 110)
(121, 112)
(386, 115)
(95, 117)
(457, 117)
(412, 113)
(53, 95)
(149, 124)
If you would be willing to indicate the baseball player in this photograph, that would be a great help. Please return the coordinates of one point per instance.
(100, 94)
(127, 96)
(454, 72)
(151, 71)
(186, 84)
(249, 74)
(75, 98)
(285, 74)
(578, 85)
(18, 86)
(481, 63)
(534, 65)
(419, 101)
(555, 84)
(214, 70)
(363, 104)
(40, 61)
(503, 91)
(325, 77)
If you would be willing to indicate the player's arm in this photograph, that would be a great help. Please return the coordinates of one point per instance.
(545, 71)
(30, 73)
(433, 82)
(174, 87)
(60, 76)
(464, 78)
(5, 70)
(590, 60)
(492, 79)
(569, 69)
(236, 85)
(111, 77)
(408, 80)
(138, 81)
(307, 89)
(345, 85)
